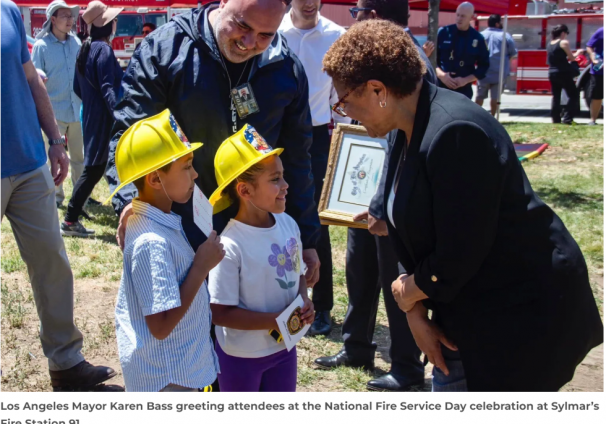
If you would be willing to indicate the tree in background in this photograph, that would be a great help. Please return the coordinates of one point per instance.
(433, 14)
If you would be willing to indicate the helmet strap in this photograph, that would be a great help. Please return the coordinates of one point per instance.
(163, 186)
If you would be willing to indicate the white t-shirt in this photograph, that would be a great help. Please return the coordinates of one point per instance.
(260, 272)
(310, 46)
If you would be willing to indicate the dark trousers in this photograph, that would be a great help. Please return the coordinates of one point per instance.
(564, 82)
(323, 291)
(372, 265)
(83, 189)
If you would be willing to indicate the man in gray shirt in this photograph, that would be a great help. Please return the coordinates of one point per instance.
(55, 53)
(494, 41)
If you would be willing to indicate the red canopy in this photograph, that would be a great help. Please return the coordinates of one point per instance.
(482, 6)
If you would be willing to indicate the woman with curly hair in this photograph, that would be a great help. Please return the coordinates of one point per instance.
(508, 286)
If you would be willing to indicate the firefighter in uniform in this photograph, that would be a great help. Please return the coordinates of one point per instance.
(462, 53)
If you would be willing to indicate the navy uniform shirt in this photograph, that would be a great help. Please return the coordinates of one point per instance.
(462, 53)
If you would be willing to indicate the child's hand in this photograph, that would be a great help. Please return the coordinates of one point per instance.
(307, 311)
(210, 253)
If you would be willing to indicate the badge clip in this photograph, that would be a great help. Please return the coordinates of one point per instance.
(244, 100)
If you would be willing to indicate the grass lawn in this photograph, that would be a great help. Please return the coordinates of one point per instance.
(568, 176)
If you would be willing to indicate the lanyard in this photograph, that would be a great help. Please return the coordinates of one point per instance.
(232, 106)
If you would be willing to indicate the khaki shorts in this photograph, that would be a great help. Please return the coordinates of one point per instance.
(485, 87)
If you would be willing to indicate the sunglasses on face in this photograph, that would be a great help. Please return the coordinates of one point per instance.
(146, 32)
(355, 10)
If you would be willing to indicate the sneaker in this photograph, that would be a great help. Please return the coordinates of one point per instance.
(75, 229)
(592, 123)
(93, 202)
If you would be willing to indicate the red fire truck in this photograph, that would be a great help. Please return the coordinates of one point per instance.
(532, 33)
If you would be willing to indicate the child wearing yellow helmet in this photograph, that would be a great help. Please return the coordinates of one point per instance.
(162, 310)
(262, 272)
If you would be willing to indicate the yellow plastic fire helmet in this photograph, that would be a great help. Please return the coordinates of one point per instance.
(148, 145)
(234, 156)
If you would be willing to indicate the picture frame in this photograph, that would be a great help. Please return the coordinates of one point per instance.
(355, 165)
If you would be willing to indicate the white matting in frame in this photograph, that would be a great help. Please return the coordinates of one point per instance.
(353, 174)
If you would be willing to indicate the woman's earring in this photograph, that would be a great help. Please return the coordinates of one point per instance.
(383, 104)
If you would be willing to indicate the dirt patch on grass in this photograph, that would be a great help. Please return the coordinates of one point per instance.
(24, 367)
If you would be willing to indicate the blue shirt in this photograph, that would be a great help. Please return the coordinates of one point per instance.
(494, 41)
(157, 259)
(58, 60)
(462, 53)
(596, 42)
(22, 146)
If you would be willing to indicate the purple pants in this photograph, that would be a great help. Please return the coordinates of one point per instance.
(273, 373)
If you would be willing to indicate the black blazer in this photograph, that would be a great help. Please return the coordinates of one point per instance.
(505, 279)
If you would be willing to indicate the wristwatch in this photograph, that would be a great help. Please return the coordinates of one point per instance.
(55, 141)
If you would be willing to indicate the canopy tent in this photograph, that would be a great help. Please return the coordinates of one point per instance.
(482, 6)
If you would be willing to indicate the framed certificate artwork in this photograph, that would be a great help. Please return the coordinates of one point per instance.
(354, 171)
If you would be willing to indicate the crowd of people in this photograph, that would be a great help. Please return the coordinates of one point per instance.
(235, 99)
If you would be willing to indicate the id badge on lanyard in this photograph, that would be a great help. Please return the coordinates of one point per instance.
(243, 102)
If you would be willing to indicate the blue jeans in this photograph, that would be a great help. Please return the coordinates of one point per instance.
(454, 382)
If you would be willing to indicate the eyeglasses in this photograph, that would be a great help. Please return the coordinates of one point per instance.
(338, 107)
(146, 32)
(66, 17)
(355, 10)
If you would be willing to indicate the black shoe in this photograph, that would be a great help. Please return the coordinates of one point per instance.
(80, 378)
(93, 202)
(342, 359)
(322, 324)
(107, 388)
(392, 383)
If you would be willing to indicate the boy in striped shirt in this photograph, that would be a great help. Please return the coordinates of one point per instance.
(163, 314)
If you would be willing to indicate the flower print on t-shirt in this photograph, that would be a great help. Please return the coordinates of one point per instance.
(281, 260)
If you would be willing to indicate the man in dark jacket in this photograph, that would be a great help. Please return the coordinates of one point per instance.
(196, 65)
(462, 53)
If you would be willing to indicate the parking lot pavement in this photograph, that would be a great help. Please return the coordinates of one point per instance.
(527, 108)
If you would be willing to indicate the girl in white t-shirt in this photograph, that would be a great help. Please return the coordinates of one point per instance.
(262, 271)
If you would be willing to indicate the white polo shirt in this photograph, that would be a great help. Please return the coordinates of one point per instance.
(310, 46)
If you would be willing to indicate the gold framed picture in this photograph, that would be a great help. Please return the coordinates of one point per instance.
(355, 164)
